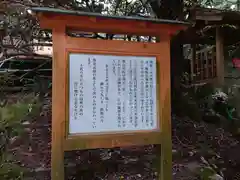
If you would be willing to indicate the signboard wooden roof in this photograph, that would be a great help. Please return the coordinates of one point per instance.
(113, 24)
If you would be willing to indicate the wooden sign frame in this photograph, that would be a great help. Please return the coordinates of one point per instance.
(58, 21)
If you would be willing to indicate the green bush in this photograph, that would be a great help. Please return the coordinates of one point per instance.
(12, 117)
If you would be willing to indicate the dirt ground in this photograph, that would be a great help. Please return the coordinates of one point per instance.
(195, 145)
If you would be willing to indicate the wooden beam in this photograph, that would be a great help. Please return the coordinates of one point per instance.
(209, 17)
(193, 61)
(3, 7)
(219, 57)
(100, 24)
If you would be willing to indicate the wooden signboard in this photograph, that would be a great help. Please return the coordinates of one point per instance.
(109, 93)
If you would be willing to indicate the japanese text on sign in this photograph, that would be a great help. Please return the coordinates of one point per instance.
(111, 93)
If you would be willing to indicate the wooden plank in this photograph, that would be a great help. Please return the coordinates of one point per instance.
(165, 106)
(120, 47)
(209, 17)
(3, 9)
(58, 103)
(197, 66)
(193, 61)
(201, 66)
(219, 57)
(111, 140)
(213, 60)
(207, 64)
(208, 14)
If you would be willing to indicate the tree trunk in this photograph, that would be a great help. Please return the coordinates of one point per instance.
(172, 9)
(177, 64)
(168, 9)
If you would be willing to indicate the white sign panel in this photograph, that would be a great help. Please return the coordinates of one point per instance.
(111, 93)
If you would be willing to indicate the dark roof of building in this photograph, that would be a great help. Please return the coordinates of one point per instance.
(80, 13)
(215, 16)
(204, 23)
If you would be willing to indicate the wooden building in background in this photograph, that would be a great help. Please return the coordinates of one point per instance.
(204, 42)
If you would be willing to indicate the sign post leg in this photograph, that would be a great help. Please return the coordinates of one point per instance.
(58, 102)
(57, 159)
(165, 96)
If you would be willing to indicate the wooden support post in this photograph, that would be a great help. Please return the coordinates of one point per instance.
(219, 58)
(165, 98)
(193, 61)
(213, 62)
(58, 102)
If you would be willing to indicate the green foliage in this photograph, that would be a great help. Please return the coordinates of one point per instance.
(9, 170)
(12, 117)
(204, 91)
(6, 78)
(206, 173)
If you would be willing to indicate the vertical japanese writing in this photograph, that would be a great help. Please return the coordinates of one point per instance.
(111, 93)
(114, 67)
(119, 79)
(135, 94)
(130, 93)
(75, 95)
(89, 62)
(147, 92)
(123, 92)
(151, 93)
(119, 82)
(106, 87)
(102, 102)
(142, 92)
(94, 93)
(81, 95)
